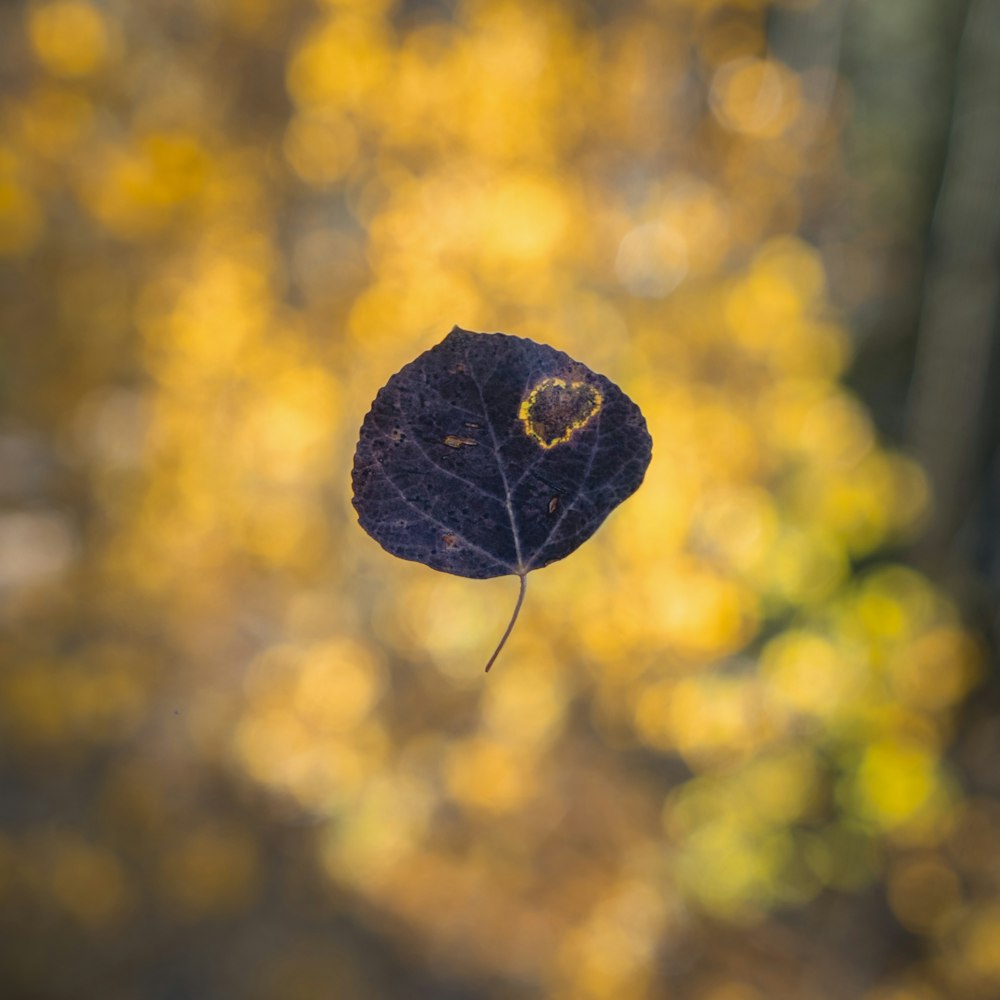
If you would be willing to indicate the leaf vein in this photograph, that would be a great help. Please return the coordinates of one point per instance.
(487, 415)
(441, 524)
(448, 472)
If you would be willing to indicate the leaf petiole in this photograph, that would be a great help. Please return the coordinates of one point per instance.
(510, 624)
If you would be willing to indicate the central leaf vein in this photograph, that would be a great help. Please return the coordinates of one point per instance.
(508, 500)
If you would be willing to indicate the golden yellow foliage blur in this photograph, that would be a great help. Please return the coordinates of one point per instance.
(71, 38)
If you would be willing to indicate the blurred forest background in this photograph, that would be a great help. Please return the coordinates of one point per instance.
(744, 744)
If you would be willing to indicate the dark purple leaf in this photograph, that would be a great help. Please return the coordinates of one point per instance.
(492, 455)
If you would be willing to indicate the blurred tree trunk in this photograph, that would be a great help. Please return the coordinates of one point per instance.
(955, 381)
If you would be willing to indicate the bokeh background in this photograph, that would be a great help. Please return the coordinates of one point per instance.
(743, 745)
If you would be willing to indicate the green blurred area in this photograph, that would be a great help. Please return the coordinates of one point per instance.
(742, 745)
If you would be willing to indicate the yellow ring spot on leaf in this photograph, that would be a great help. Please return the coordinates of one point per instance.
(555, 409)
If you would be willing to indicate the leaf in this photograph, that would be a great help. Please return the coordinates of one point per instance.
(492, 455)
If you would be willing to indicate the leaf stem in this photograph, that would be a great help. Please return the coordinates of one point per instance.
(510, 624)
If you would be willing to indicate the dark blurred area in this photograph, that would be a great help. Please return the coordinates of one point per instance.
(743, 744)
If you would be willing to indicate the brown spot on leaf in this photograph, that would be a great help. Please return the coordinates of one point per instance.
(556, 408)
(453, 441)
